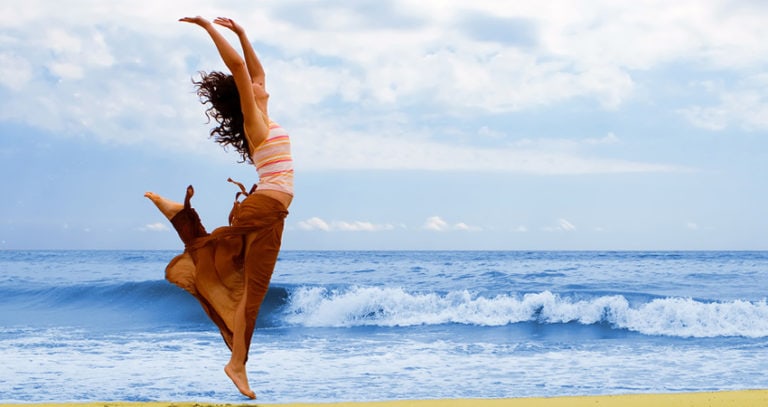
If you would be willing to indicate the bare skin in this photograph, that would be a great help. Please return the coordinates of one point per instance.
(249, 77)
(235, 369)
(236, 373)
(167, 207)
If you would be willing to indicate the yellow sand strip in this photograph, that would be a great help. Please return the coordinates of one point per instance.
(745, 398)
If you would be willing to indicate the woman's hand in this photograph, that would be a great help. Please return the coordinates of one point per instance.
(202, 22)
(229, 23)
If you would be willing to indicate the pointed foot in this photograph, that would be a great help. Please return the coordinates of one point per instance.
(166, 206)
(239, 378)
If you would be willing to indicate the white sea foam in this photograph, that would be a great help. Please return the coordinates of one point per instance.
(376, 306)
(53, 366)
(90, 326)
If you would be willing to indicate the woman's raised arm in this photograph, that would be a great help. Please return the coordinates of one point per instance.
(255, 69)
(256, 128)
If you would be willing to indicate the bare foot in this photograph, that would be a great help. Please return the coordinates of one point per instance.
(238, 377)
(167, 207)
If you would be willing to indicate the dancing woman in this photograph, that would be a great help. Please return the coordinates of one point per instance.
(229, 269)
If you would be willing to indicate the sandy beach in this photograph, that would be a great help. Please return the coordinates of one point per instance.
(745, 398)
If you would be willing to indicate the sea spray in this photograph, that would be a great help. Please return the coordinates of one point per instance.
(336, 326)
(392, 307)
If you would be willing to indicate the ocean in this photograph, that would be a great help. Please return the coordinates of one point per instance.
(381, 325)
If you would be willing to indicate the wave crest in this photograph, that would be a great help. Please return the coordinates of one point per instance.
(389, 307)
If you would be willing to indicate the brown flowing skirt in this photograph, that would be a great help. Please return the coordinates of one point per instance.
(232, 262)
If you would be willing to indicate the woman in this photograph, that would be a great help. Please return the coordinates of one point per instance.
(229, 270)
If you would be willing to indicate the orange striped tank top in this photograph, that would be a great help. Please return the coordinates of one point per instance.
(273, 161)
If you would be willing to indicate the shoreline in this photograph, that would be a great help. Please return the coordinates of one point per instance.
(737, 398)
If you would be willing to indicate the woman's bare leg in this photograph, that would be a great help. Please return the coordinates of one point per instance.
(166, 206)
(235, 369)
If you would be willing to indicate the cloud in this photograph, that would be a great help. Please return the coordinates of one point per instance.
(562, 144)
(435, 223)
(609, 138)
(125, 80)
(745, 107)
(504, 30)
(438, 224)
(15, 72)
(111, 82)
(316, 223)
(360, 226)
(387, 149)
(155, 227)
(341, 15)
(563, 225)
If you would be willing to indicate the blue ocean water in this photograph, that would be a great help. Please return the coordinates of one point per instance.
(345, 326)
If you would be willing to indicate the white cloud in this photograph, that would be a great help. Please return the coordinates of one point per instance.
(745, 107)
(360, 226)
(126, 79)
(15, 72)
(563, 225)
(435, 223)
(316, 223)
(609, 138)
(387, 150)
(692, 226)
(564, 144)
(462, 226)
(112, 82)
(155, 227)
(438, 224)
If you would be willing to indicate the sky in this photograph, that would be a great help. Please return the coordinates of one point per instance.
(416, 125)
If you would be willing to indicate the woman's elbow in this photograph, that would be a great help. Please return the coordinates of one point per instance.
(237, 65)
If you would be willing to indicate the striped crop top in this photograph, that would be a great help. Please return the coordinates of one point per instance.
(273, 161)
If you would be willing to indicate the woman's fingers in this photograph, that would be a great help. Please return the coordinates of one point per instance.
(195, 20)
(226, 22)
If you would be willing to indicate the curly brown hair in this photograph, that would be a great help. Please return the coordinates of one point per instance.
(219, 89)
